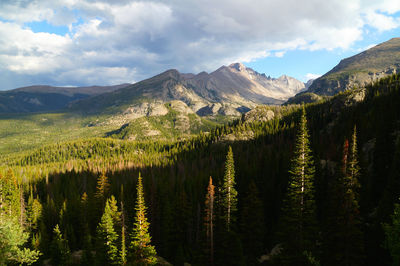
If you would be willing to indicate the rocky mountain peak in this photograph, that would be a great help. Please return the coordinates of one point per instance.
(169, 74)
(284, 77)
(238, 66)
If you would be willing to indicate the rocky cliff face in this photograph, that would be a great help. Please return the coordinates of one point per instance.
(238, 80)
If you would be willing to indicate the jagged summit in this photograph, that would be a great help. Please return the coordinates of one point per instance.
(238, 66)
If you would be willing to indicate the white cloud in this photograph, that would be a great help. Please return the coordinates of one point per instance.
(311, 76)
(22, 50)
(382, 22)
(141, 16)
(99, 75)
(124, 40)
(279, 54)
(366, 48)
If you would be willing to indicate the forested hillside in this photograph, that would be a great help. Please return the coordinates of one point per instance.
(377, 62)
(311, 185)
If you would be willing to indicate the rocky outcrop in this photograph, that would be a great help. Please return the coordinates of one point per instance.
(145, 109)
(307, 97)
(259, 114)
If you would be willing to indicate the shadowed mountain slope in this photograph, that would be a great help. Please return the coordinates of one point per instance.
(47, 98)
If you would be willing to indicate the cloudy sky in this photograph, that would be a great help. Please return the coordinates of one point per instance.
(87, 42)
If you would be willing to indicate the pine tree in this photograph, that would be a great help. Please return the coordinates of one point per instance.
(116, 215)
(33, 212)
(298, 226)
(12, 232)
(142, 252)
(12, 239)
(123, 237)
(352, 238)
(103, 186)
(229, 193)
(10, 195)
(343, 242)
(353, 169)
(209, 220)
(60, 253)
(107, 251)
(392, 233)
(228, 248)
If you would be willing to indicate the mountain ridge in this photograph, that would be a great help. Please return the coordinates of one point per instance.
(231, 88)
(228, 89)
(45, 98)
(361, 69)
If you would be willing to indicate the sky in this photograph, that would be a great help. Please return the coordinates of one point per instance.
(106, 42)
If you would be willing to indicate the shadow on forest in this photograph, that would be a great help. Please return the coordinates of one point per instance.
(175, 192)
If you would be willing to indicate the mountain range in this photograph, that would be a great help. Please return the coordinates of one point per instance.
(229, 90)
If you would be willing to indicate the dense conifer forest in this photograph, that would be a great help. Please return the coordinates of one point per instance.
(318, 185)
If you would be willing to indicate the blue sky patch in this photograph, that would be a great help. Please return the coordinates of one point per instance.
(44, 26)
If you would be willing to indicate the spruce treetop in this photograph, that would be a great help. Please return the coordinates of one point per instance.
(229, 193)
(143, 252)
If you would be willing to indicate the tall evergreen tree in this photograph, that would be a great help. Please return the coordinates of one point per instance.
(353, 238)
(122, 253)
(107, 250)
(103, 186)
(10, 195)
(116, 215)
(228, 247)
(353, 169)
(60, 252)
(229, 193)
(298, 225)
(209, 220)
(142, 252)
(343, 243)
(33, 212)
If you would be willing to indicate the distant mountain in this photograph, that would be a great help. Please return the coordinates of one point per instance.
(361, 69)
(46, 98)
(238, 84)
(309, 83)
(228, 91)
